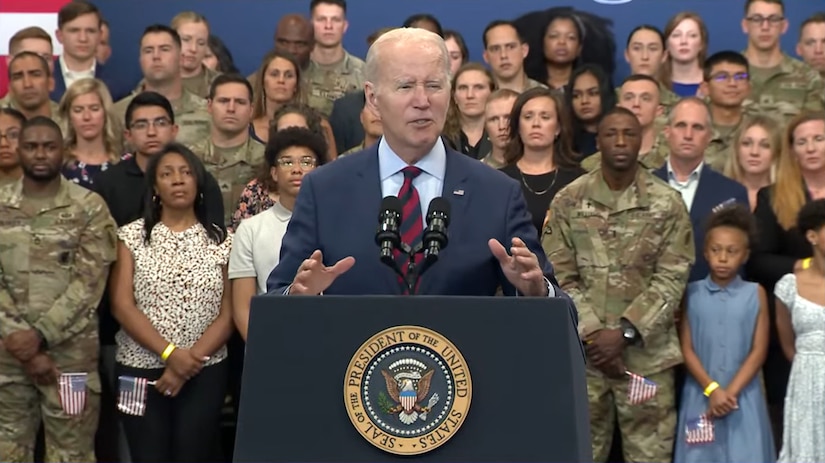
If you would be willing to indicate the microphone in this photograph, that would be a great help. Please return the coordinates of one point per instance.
(435, 236)
(387, 237)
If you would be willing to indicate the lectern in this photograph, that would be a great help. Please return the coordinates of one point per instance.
(382, 378)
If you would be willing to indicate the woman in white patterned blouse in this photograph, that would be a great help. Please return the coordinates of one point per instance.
(170, 293)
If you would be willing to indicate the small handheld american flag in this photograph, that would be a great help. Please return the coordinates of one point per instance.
(699, 430)
(72, 390)
(131, 398)
(640, 389)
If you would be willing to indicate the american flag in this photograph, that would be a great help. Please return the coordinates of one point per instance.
(131, 398)
(72, 388)
(699, 430)
(640, 389)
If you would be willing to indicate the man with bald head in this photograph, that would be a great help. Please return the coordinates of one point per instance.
(688, 133)
(294, 35)
(408, 86)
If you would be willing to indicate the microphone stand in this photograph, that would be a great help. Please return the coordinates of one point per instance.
(414, 271)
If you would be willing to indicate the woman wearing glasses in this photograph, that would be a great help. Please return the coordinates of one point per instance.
(290, 154)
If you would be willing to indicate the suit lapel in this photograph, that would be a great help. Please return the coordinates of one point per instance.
(457, 191)
(369, 180)
(701, 207)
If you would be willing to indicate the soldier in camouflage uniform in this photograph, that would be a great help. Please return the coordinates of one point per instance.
(29, 71)
(193, 29)
(641, 95)
(727, 86)
(621, 243)
(56, 243)
(780, 85)
(332, 71)
(230, 154)
(160, 63)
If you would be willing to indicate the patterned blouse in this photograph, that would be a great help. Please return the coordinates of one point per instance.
(85, 174)
(254, 199)
(178, 284)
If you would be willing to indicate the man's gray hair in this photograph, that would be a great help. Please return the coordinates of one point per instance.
(694, 100)
(423, 39)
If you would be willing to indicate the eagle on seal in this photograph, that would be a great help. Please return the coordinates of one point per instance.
(408, 396)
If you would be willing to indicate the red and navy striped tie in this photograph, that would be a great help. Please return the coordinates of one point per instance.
(412, 227)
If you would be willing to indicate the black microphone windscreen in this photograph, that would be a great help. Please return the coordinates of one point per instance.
(390, 203)
(439, 205)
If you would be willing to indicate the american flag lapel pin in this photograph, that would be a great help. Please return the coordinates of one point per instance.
(458, 192)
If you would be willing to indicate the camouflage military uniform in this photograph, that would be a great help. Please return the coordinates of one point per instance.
(7, 102)
(533, 84)
(325, 84)
(721, 148)
(200, 84)
(492, 162)
(652, 160)
(190, 113)
(625, 255)
(354, 149)
(54, 259)
(787, 90)
(233, 168)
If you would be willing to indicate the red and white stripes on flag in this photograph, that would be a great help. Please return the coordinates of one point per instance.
(19, 14)
(72, 391)
(699, 430)
(640, 389)
(131, 398)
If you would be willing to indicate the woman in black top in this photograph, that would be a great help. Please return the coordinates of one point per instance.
(781, 248)
(464, 128)
(588, 96)
(540, 154)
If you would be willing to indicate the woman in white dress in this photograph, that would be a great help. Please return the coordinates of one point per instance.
(800, 321)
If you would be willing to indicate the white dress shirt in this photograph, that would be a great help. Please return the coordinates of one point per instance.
(687, 188)
(70, 77)
(429, 184)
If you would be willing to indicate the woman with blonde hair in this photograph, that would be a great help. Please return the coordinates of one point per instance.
(93, 135)
(757, 148)
(686, 39)
(464, 128)
(781, 247)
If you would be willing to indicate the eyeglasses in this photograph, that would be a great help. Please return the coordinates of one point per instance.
(305, 163)
(758, 20)
(159, 123)
(724, 77)
(10, 135)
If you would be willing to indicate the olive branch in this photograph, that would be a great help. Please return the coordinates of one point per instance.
(384, 402)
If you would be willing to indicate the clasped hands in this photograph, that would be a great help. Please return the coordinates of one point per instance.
(721, 402)
(520, 266)
(181, 366)
(604, 350)
(24, 345)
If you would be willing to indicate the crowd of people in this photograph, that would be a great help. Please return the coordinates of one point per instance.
(682, 212)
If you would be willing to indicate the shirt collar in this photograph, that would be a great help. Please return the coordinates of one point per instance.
(713, 287)
(694, 176)
(281, 213)
(433, 163)
(66, 71)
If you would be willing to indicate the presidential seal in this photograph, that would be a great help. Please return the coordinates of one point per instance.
(407, 390)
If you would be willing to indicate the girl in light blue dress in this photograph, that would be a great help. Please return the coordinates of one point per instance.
(724, 334)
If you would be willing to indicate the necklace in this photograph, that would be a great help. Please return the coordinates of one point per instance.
(542, 192)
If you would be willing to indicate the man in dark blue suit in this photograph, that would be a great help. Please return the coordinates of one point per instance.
(703, 189)
(78, 30)
(329, 246)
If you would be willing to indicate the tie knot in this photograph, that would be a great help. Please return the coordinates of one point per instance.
(411, 172)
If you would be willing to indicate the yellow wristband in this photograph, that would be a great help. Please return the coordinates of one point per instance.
(711, 387)
(806, 263)
(168, 351)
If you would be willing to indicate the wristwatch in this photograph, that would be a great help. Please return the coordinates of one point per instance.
(629, 332)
